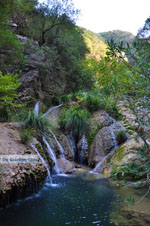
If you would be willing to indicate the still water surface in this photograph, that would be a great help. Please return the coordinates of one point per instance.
(71, 200)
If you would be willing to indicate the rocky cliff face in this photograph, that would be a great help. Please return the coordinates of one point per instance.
(39, 77)
(16, 178)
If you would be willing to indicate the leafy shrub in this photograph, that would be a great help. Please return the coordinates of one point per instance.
(75, 119)
(20, 115)
(137, 170)
(26, 135)
(121, 136)
(46, 102)
(66, 98)
(92, 102)
(37, 122)
(131, 170)
(55, 100)
(4, 113)
(8, 86)
(109, 104)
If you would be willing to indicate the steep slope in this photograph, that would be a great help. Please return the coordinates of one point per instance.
(118, 36)
(95, 44)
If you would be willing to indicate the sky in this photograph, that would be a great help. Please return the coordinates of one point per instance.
(107, 15)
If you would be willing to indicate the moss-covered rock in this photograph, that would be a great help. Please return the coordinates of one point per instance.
(127, 153)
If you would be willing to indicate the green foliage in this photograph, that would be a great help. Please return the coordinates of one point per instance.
(50, 18)
(130, 200)
(8, 87)
(62, 71)
(37, 122)
(138, 94)
(74, 119)
(20, 114)
(21, 13)
(97, 47)
(61, 43)
(96, 100)
(121, 136)
(138, 170)
(144, 31)
(109, 104)
(26, 136)
(4, 113)
(139, 53)
(55, 100)
(91, 102)
(8, 40)
(133, 171)
(66, 98)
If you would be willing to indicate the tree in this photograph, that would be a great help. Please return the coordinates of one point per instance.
(48, 18)
(8, 86)
(145, 31)
(10, 46)
(21, 13)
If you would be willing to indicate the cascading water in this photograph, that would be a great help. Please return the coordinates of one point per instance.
(79, 150)
(51, 109)
(99, 166)
(82, 147)
(59, 145)
(36, 108)
(73, 144)
(43, 161)
(52, 155)
(49, 149)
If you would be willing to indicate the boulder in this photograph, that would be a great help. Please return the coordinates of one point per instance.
(100, 119)
(106, 129)
(66, 166)
(127, 153)
(102, 144)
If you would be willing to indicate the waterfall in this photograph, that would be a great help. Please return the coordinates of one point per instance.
(99, 166)
(51, 109)
(82, 147)
(59, 145)
(52, 155)
(36, 108)
(73, 144)
(43, 161)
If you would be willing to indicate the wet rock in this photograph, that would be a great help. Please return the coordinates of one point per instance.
(66, 166)
(100, 119)
(18, 174)
(64, 142)
(102, 144)
(105, 138)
